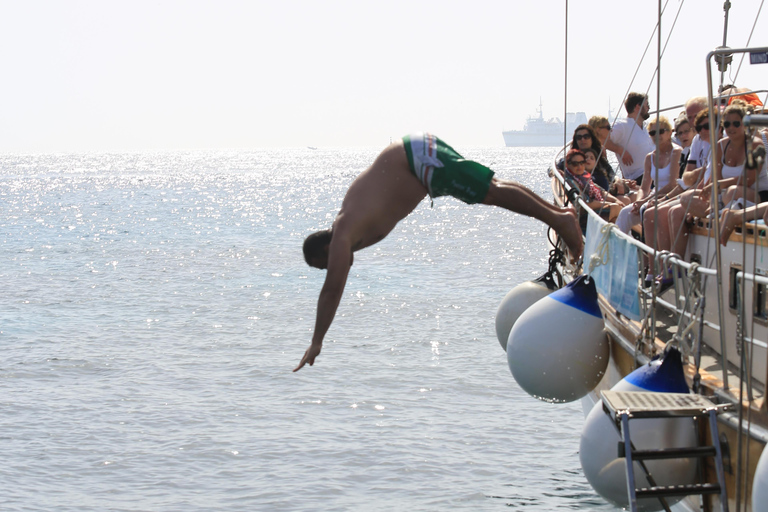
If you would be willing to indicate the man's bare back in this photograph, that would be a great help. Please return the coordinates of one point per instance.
(379, 198)
(386, 193)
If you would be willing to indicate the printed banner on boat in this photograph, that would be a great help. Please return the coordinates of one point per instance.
(615, 272)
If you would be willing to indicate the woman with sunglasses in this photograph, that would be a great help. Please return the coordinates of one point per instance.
(660, 169)
(683, 193)
(596, 198)
(584, 137)
(674, 233)
(730, 156)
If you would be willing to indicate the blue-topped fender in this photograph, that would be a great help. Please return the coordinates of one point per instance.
(580, 294)
(666, 376)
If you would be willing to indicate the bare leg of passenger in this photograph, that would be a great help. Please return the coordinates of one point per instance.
(515, 197)
(649, 228)
(735, 192)
(678, 229)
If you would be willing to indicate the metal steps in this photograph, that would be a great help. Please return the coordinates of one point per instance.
(623, 406)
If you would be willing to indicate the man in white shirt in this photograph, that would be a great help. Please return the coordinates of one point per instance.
(629, 140)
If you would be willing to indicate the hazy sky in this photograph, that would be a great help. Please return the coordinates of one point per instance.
(108, 75)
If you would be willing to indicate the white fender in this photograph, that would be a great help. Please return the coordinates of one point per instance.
(598, 452)
(520, 298)
(557, 350)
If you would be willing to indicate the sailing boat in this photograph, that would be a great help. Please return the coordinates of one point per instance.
(713, 320)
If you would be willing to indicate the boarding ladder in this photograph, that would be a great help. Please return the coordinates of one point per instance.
(623, 406)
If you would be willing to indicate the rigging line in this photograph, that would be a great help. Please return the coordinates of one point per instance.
(748, 143)
(642, 58)
(749, 39)
(629, 88)
(666, 43)
(657, 154)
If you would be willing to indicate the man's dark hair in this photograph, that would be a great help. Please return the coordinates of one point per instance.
(726, 87)
(633, 100)
(315, 244)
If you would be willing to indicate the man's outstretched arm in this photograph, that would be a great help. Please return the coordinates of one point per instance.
(339, 261)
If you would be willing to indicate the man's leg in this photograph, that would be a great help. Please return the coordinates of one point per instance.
(515, 197)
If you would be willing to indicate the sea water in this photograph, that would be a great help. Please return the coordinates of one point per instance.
(153, 305)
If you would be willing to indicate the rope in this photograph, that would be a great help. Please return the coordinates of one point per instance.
(602, 252)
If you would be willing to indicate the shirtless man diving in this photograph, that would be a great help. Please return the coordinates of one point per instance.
(387, 191)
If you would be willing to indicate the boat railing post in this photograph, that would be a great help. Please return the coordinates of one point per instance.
(715, 121)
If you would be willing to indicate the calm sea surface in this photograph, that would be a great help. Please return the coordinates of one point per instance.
(153, 306)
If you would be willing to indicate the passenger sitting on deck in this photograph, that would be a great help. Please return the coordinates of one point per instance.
(734, 157)
(661, 169)
(618, 186)
(584, 137)
(595, 197)
(660, 236)
(629, 140)
(592, 161)
(729, 159)
(689, 203)
(684, 134)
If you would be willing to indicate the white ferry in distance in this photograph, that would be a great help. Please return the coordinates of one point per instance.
(540, 132)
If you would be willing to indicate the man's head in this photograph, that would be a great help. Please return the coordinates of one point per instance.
(693, 106)
(316, 249)
(636, 105)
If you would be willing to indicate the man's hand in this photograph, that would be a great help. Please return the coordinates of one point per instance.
(626, 158)
(309, 356)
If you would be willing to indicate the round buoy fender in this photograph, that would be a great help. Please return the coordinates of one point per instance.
(557, 350)
(598, 452)
(760, 485)
(519, 299)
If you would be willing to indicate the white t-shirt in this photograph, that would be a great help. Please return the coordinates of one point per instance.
(699, 151)
(636, 141)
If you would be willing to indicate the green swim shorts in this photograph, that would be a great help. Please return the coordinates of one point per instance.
(445, 172)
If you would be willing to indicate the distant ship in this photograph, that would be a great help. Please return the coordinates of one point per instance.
(539, 132)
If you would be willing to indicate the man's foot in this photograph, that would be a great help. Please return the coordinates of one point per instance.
(569, 230)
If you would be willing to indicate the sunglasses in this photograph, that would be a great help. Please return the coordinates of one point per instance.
(577, 162)
(580, 137)
(606, 127)
(727, 124)
(704, 126)
(662, 131)
(683, 132)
